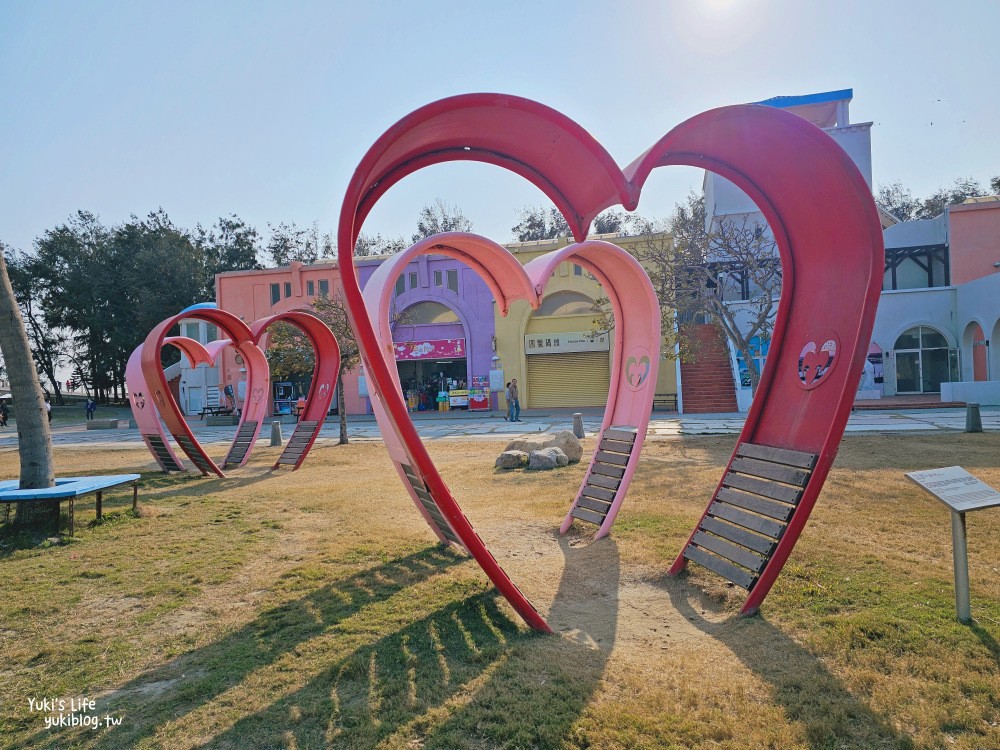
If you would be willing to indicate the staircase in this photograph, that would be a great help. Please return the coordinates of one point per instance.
(707, 384)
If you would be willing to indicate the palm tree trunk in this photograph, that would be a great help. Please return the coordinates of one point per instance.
(34, 441)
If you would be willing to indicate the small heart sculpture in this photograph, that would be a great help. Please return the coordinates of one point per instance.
(143, 362)
(628, 408)
(815, 200)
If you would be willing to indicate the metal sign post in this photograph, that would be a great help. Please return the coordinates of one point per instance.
(961, 492)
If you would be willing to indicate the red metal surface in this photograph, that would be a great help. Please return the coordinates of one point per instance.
(813, 196)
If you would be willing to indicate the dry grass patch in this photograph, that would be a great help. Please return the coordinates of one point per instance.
(312, 609)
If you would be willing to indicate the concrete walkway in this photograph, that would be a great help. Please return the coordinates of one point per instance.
(493, 427)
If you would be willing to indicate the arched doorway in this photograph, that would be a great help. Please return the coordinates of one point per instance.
(975, 349)
(431, 348)
(567, 365)
(924, 361)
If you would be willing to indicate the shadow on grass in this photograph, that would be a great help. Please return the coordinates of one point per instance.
(193, 679)
(809, 694)
(466, 676)
(987, 640)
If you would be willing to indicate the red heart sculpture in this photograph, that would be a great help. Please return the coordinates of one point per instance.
(637, 330)
(144, 369)
(815, 200)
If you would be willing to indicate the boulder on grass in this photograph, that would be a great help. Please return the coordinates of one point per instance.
(564, 440)
(512, 460)
(547, 458)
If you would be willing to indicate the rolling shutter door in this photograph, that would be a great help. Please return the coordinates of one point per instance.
(568, 380)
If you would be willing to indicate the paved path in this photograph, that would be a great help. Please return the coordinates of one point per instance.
(495, 428)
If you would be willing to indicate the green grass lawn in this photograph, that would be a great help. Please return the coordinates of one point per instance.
(312, 609)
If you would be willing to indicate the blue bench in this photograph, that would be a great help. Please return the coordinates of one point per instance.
(68, 488)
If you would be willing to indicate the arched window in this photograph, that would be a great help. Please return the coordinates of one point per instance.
(428, 313)
(565, 303)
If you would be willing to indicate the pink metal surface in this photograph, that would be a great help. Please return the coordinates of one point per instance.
(325, 371)
(636, 356)
(814, 198)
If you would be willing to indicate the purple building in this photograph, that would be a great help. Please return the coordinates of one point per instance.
(444, 332)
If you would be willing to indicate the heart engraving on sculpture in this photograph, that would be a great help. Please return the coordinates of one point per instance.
(637, 368)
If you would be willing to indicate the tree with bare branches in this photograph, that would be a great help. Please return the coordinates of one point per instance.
(727, 273)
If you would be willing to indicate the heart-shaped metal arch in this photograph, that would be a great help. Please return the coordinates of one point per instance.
(637, 329)
(320, 396)
(240, 338)
(815, 200)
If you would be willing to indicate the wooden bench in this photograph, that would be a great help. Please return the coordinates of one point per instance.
(665, 402)
(750, 511)
(605, 475)
(69, 488)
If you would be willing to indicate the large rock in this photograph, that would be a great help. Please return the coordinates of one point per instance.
(564, 440)
(512, 460)
(547, 458)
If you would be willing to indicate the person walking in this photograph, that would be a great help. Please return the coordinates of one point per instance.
(515, 403)
(48, 409)
(4, 413)
(506, 396)
(91, 408)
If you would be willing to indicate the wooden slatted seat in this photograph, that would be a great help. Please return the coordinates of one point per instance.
(298, 442)
(598, 493)
(162, 453)
(430, 506)
(192, 452)
(242, 444)
(750, 511)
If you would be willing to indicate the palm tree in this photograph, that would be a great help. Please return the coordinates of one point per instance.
(34, 440)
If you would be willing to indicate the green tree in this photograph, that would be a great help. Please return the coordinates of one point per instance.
(540, 223)
(440, 218)
(230, 245)
(48, 345)
(289, 352)
(289, 244)
(369, 245)
(899, 201)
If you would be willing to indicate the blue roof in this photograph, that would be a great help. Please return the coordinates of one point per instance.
(201, 306)
(783, 102)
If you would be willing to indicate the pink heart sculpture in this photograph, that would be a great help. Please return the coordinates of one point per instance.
(819, 209)
(637, 328)
(144, 369)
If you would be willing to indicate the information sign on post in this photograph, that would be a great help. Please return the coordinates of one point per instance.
(961, 492)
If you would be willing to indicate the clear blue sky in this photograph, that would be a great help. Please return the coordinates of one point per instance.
(264, 109)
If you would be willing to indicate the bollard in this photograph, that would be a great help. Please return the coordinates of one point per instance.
(973, 420)
(578, 426)
(276, 433)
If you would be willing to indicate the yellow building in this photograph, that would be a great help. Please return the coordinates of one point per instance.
(552, 351)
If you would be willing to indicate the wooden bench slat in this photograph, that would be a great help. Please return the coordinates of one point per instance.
(756, 504)
(762, 525)
(765, 470)
(612, 458)
(732, 552)
(587, 515)
(599, 480)
(742, 578)
(607, 470)
(288, 460)
(598, 493)
(741, 536)
(616, 446)
(615, 433)
(781, 492)
(778, 455)
(595, 505)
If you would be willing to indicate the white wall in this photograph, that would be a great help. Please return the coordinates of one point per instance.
(920, 232)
